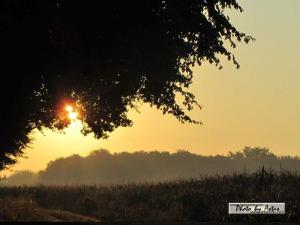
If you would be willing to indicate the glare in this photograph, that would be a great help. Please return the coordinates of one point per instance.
(69, 108)
(73, 115)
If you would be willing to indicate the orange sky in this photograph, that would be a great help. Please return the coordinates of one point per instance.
(257, 105)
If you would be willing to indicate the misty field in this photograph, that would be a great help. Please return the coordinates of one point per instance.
(197, 200)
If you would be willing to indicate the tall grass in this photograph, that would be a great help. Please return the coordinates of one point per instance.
(201, 200)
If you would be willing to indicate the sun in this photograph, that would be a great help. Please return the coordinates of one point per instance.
(73, 116)
(69, 108)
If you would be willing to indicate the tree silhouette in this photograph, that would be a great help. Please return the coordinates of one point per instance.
(102, 58)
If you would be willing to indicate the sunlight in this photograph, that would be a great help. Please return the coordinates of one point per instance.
(69, 108)
(73, 116)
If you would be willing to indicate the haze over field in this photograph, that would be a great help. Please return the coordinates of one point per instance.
(103, 168)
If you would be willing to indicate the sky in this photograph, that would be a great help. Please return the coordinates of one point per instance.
(256, 105)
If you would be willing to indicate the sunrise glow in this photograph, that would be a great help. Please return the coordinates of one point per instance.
(72, 115)
(69, 108)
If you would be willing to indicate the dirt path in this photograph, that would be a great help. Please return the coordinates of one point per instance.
(63, 216)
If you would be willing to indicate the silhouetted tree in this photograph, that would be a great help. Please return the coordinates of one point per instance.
(102, 58)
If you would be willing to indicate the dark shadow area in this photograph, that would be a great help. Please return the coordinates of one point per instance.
(177, 202)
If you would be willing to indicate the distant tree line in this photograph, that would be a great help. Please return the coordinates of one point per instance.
(103, 167)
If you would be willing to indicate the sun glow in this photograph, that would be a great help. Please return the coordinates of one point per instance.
(73, 115)
(69, 108)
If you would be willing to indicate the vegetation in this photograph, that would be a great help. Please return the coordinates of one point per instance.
(25, 210)
(200, 200)
(105, 168)
(102, 58)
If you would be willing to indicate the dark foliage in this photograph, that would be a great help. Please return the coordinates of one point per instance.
(199, 200)
(102, 56)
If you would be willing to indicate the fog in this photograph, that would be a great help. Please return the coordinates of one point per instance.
(103, 167)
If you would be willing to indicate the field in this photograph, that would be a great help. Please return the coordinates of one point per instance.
(198, 200)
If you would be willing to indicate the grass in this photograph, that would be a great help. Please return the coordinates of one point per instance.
(202, 200)
(26, 210)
